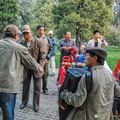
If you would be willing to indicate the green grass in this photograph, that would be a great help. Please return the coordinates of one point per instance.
(57, 57)
(112, 58)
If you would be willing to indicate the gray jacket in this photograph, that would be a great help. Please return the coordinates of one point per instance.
(98, 103)
(13, 58)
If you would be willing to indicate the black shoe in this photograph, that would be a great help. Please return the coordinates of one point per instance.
(46, 92)
(36, 109)
(22, 106)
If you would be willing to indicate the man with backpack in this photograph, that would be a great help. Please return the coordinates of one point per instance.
(97, 104)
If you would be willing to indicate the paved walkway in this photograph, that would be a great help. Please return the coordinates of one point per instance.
(48, 105)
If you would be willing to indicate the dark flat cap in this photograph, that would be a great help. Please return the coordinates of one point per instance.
(98, 51)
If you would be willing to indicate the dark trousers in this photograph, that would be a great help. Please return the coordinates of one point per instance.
(26, 87)
(44, 77)
(7, 104)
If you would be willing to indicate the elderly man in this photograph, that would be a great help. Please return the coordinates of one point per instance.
(97, 104)
(41, 36)
(65, 45)
(13, 58)
(52, 59)
(38, 50)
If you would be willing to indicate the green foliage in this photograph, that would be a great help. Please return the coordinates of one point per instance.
(26, 15)
(42, 12)
(82, 17)
(116, 9)
(8, 13)
(43, 16)
(113, 36)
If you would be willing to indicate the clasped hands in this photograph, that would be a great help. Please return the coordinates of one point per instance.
(66, 48)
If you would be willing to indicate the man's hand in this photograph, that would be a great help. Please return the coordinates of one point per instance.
(41, 69)
(69, 48)
(64, 48)
(59, 86)
(46, 61)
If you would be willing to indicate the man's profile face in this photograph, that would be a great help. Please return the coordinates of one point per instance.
(27, 36)
(41, 31)
(89, 60)
(97, 35)
(68, 36)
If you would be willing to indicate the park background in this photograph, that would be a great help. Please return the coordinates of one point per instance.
(80, 17)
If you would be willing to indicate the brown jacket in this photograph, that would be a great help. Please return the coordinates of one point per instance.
(38, 50)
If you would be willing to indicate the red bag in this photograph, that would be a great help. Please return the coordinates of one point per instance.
(117, 69)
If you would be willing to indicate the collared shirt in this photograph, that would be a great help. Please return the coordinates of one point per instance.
(64, 43)
(28, 45)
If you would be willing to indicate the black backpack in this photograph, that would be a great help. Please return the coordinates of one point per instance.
(71, 81)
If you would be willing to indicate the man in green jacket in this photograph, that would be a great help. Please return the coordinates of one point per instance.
(13, 58)
(97, 104)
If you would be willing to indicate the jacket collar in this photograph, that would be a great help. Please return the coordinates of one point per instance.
(66, 41)
(8, 38)
(98, 67)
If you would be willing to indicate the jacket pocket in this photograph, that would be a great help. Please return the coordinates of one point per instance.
(77, 114)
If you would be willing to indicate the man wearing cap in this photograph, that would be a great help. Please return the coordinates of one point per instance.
(13, 58)
(52, 59)
(41, 37)
(38, 50)
(97, 104)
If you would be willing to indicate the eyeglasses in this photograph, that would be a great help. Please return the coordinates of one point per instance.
(25, 33)
(41, 29)
(87, 56)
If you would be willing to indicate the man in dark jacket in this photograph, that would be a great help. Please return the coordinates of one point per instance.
(41, 36)
(38, 50)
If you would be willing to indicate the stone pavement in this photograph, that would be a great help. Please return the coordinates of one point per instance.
(48, 105)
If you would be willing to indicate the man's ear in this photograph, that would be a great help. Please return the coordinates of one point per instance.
(95, 59)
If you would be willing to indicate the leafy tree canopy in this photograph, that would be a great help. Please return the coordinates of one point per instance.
(8, 13)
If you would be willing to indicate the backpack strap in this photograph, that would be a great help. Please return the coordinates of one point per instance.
(88, 79)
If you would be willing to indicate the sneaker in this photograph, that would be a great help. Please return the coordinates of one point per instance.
(51, 75)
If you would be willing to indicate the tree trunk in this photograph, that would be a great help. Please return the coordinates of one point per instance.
(78, 39)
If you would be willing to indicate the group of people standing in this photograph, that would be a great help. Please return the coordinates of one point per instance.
(30, 58)
(22, 62)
